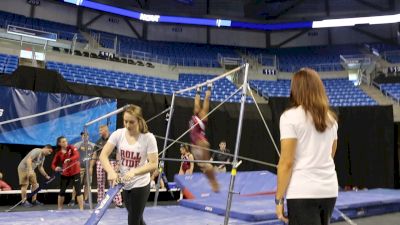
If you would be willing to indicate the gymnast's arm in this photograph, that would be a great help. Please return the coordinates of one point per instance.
(180, 169)
(29, 164)
(149, 167)
(43, 172)
(334, 147)
(190, 170)
(285, 165)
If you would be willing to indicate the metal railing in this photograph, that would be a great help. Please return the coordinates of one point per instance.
(355, 59)
(171, 61)
(60, 33)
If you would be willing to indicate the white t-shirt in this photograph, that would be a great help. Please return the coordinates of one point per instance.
(314, 174)
(132, 156)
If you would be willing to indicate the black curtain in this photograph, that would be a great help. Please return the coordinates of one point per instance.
(382, 78)
(366, 155)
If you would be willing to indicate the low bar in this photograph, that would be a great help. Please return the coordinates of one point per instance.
(106, 116)
(195, 161)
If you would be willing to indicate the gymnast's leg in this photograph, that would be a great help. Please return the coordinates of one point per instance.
(201, 154)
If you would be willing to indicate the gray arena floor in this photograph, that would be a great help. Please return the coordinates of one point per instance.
(387, 219)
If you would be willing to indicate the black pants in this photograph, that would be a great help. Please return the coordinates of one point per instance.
(135, 201)
(310, 211)
(76, 183)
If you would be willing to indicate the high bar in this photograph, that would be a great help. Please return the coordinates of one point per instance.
(210, 81)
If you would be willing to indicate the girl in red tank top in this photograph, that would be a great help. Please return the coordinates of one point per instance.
(186, 167)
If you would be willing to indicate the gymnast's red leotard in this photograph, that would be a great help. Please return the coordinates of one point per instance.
(198, 133)
(185, 164)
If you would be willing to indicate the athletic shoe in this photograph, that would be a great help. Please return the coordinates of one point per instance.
(198, 90)
(26, 204)
(36, 203)
(209, 86)
(71, 203)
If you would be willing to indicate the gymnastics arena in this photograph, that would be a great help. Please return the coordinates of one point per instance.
(212, 79)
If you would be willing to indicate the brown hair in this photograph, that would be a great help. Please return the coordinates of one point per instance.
(308, 91)
(186, 147)
(102, 126)
(59, 140)
(136, 111)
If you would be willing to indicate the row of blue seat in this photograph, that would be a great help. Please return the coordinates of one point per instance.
(8, 63)
(321, 58)
(86, 75)
(383, 49)
(175, 53)
(391, 89)
(341, 91)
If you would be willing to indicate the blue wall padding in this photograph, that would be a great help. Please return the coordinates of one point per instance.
(44, 129)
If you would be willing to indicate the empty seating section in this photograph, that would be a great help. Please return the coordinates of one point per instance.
(8, 63)
(320, 58)
(341, 92)
(391, 89)
(64, 31)
(279, 88)
(130, 81)
(113, 79)
(390, 53)
(173, 53)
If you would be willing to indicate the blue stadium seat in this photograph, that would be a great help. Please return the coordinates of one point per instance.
(341, 92)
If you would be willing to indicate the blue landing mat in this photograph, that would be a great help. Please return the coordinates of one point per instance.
(161, 215)
(261, 208)
(247, 184)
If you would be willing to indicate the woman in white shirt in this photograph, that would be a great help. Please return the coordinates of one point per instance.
(138, 156)
(306, 170)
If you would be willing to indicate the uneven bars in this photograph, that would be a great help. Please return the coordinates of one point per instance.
(152, 118)
(265, 122)
(237, 146)
(50, 111)
(191, 128)
(222, 153)
(210, 81)
(106, 116)
(195, 161)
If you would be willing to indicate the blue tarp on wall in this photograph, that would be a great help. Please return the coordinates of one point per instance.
(54, 122)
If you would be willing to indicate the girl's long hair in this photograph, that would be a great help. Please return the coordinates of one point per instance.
(308, 91)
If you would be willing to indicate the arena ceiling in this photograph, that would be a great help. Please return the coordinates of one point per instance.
(262, 10)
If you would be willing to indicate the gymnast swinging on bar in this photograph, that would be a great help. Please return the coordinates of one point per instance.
(198, 136)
